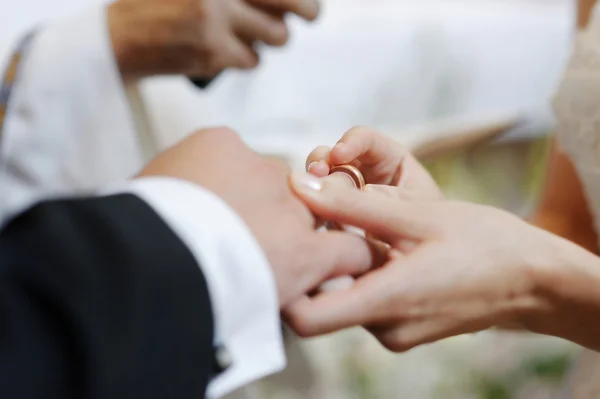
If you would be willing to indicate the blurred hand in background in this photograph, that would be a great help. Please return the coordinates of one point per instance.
(197, 38)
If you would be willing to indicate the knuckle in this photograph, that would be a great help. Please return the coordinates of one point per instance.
(251, 61)
(359, 131)
(321, 152)
(227, 134)
(280, 34)
(303, 333)
(318, 154)
(217, 136)
(396, 346)
(310, 246)
(300, 324)
(224, 133)
(396, 341)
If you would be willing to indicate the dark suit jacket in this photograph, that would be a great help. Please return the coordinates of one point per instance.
(100, 299)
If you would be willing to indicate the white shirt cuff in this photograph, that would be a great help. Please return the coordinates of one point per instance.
(240, 282)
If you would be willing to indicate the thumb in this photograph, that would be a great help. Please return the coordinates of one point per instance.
(385, 217)
(391, 192)
(402, 194)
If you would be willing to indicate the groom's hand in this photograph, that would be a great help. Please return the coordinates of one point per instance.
(197, 38)
(257, 189)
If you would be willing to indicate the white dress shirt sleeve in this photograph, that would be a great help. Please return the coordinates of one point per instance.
(68, 126)
(240, 282)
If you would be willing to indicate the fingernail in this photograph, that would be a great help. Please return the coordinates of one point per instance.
(313, 163)
(307, 183)
(338, 145)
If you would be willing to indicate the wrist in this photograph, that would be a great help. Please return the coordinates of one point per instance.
(240, 283)
(566, 292)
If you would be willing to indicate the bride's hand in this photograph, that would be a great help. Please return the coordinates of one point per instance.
(381, 160)
(473, 267)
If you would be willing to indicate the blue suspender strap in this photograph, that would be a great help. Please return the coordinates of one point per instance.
(10, 76)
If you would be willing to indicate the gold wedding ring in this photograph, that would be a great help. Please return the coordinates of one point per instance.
(352, 172)
(359, 182)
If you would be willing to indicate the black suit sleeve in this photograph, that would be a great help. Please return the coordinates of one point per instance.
(100, 299)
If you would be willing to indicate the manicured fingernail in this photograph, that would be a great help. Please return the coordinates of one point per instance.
(307, 183)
